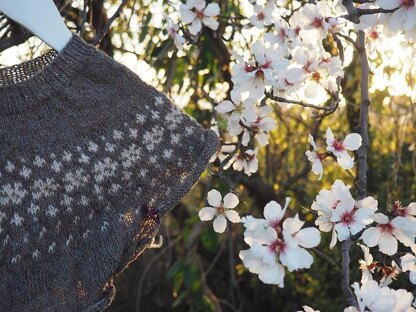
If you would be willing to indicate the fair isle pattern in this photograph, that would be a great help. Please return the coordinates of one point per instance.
(83, 190)
(90, 173)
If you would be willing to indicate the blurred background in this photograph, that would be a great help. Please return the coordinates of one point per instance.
(197, 269)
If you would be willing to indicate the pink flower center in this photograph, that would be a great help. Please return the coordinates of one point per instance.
(278, 246)
(318, 23)
(267, 64)
(199, 14)
(398, 210)
(408, 4)
(282, 32)
(261, 16)
(320, 156)
(316, 76)
(374, 35)
(221, 209)
(348, 218)
(249, 68)
(386, 228)
(337, 145)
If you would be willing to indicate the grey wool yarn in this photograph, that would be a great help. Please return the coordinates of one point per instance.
(91, 160)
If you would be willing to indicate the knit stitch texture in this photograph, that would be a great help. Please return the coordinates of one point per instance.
(91, 160)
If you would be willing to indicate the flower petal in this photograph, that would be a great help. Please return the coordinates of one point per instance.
(387, 244)
(352, 141)
(214, 198)
(309, 237)
(371, 236)
(220, 224)
(212, 9)
(230, 201)
(207, 213)
(233, 216)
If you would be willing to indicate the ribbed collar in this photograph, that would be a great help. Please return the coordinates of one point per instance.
(30, 82)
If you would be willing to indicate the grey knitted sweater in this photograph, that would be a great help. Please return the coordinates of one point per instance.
(91, 159)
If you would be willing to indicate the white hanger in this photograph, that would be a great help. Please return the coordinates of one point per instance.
(40, 17)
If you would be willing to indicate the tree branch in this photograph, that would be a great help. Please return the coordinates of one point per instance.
(329, 108)
(363, 121)
(355, 13)
(110, 21)
(345, 273)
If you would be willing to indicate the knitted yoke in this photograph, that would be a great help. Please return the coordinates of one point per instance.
(91, 159)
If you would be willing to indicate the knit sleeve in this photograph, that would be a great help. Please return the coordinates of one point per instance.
(91, 160)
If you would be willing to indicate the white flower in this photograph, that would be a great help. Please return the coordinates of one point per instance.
(220, 209)
(173, 31)
(223, 152)
(408, 212)
(408, 263)
(403, 18)
(273, 216)
(375, 298)
(340, 212)
(196, 13)
(340, 147)
(367, 265)
(246, 161)
(262, 125)
(387, 232)
(351, 217)
(262, 15)
(272, 241)
(269, 273)
(315, 22)
(315, 158)
(254, 76)
(292, 252)
(283, 36)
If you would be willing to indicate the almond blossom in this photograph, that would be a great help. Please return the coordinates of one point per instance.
(254, 76)
(408, 264)
(220, 209)
(272, 240)
(261, 126)
(239, 113)
(262, 14)
(197, 13)
(403, 18)
(173, 31)
(375, 298)
(408, 212)
(340, 212)
(320, 70)
(388, 232)
(245, 161)
(315, 158)
(282, 36)
(315, 26)
(340, 147)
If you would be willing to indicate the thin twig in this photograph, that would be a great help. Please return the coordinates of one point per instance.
(327, 258)
(110, 21)
(284, 100)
